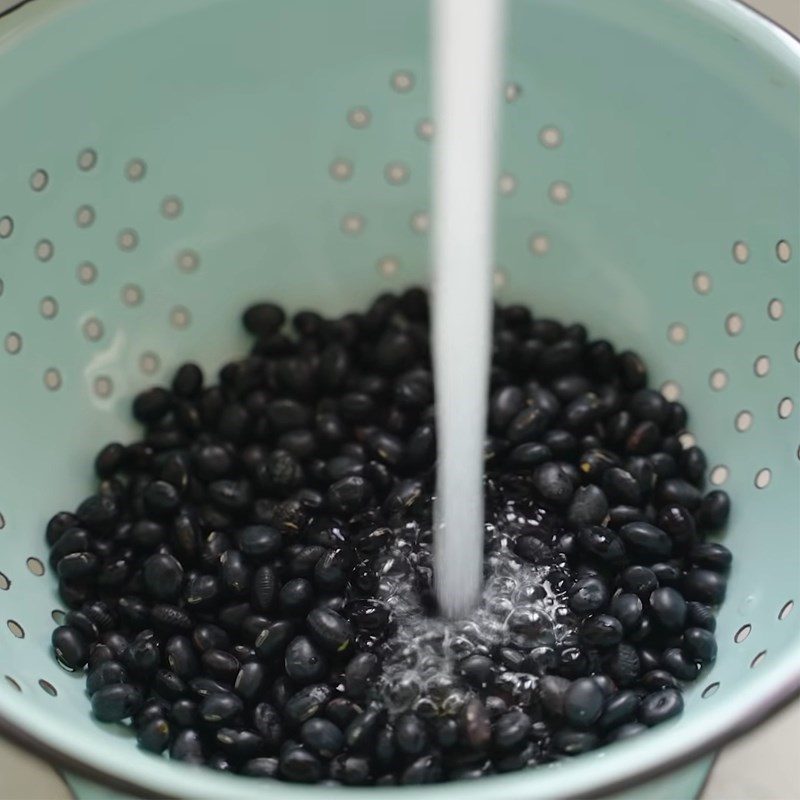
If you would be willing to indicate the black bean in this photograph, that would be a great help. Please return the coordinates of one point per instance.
(627, 731)
(668, 573)
(699, 615)
(602, 545)
(322, 737)
(474, 724)
(220, 665)
(154, 736)
(583, 703)
(348, 495)
(675, 491)
(370, 615)
(553, 483)
(330, 630)
(700, 645)
(209, 637)
(646, 541)
(163, 576)
(332, 570)
(273, 640)
(668, 608)
(532, 550)
(259, 542)
(621, 487)
(588, 595)
(263, 319)
(680, 665)
(574, 742)
(296, 597)
(105, 673)
(589, 506)
(169, 685)
(361, 732)
(115, 702)
(704, 585)
(511, 729)
(619, 708)
(220, 708)
(425, 769)
(528, 424)
(660, 706)
(304, 663)
(267, 722)
(71, 649)
(151, 405)
(632, 371)
(602, 630)
(654, 678)
(714, 510)
(624, 665)
(83, 624)
(679, 524)
(627, 608)
(187, 747)
(264, 767)
(711, 555)
(250, 680)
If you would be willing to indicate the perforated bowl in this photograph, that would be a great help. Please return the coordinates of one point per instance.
(162, 164)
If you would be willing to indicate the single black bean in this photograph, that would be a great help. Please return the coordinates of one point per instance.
(116, 702)
(220, 708)
(714, 510)
(699, 615)
(322, 737)
(304, 663)
(621, 487)
(654, 679)
(704, 585)
(264, 767)
(627, 731)
(105, 673)
(154, 736)
(553, 483)
(646, 541)
(330, 630)
(619, 708)
(668, 608)
(361, 732)
(250, 680)
(588, 595)
(675, 491)
(220, 665)
(296, 597)
(425, 769)
(271, 643)
(660, 706)
(163, 576)
(624, 665)
(511, 729)
(602, 545)
(71, 649)
(627, 608)
(583, 703)
(711, 555)
(410, 734)
(638, 580)
(528, 424)
(602, 630)
(259, 542)
(680, 665)
(678, 522)
(589, 506)
(306, 703)
(572, 742)
(699, 645)
(187, 747)
(474, 724)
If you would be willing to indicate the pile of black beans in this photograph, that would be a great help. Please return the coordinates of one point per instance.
(223, 581)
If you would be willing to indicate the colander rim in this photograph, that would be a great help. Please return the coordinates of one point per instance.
(782, 690)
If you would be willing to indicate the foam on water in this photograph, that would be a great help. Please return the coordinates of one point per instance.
(518, 608)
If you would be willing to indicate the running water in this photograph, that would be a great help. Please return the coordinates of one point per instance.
(467, 48)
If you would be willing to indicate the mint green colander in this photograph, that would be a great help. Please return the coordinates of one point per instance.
(164, 163)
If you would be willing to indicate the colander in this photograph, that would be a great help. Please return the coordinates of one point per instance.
(162, 164)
